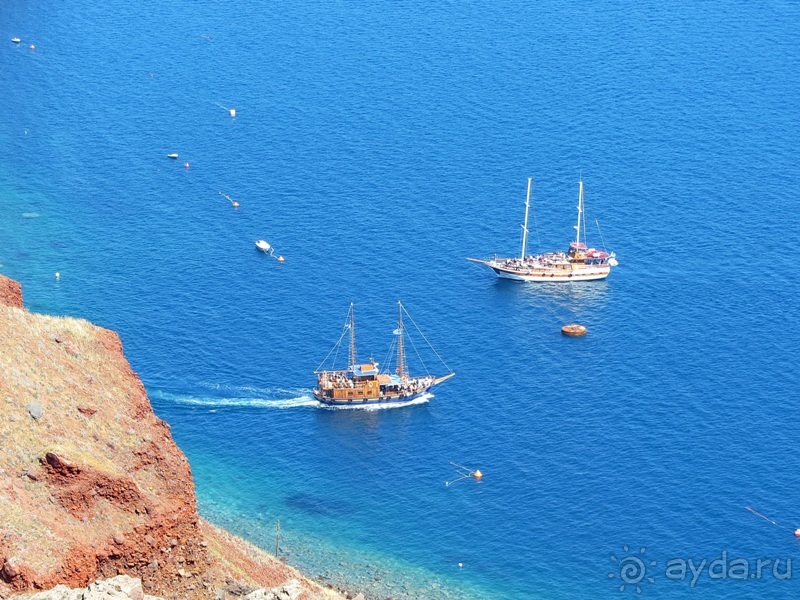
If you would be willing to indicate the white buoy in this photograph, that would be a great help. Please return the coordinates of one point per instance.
(58, 275)
(233, 112)
(460, 565)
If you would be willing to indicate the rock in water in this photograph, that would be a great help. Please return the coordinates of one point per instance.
(573, 330)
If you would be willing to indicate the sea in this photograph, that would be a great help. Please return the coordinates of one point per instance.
(376, 146)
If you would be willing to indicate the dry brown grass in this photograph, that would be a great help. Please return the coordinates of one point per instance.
(65, 364)
(60, 363)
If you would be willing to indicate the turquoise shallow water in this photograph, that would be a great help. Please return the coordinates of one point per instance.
(376, 146)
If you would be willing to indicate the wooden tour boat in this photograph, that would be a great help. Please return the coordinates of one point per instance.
(364, 383)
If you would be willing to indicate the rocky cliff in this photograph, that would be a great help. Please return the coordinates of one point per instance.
(10, 292)
(92, 484)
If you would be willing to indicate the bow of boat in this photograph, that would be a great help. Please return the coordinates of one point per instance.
(439, 380)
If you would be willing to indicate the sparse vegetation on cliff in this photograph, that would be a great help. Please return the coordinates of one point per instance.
(91, 483)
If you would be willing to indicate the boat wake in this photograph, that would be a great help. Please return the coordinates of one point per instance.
(304, 399)
(281, 398)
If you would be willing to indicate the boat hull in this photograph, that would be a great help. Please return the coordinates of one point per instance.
(580, 273)
(393, 399)
(544, 276)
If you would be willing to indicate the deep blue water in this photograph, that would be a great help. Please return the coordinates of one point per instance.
(376, 145)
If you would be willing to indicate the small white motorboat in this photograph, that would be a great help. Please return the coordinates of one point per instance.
(16, 40)
(173, 155)
(264, 246)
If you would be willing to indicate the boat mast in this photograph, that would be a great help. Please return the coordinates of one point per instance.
(525, 225)
(580, 213)
(402, 369)
(352, 337)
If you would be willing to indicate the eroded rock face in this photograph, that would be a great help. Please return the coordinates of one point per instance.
(92, 485)
(10, 292)
(86, 494)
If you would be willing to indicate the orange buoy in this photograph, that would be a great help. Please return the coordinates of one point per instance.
(280, 259)
(235, 205)
(477, 474)
(797, 533)
(573, 330)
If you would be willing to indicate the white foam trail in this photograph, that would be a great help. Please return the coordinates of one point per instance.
(250, 390)
(215, 403)
(304, 399)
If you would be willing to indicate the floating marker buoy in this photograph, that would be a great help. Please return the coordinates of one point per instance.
(797, 533)
(32, 47)
(280, 259)
(460, 564)
(233, 112)
(573, 330)
(186, 165)
(233, 202)
(464, 473)
(58, 275)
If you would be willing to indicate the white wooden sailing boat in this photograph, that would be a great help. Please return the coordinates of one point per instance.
(579, 263)
(364, 383)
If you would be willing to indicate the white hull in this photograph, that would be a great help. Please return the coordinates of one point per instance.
(553, 277)
(580, 263)
(539, 274)
(545, 275)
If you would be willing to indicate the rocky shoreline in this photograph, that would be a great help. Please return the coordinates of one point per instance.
(92, 485)
(123, 587)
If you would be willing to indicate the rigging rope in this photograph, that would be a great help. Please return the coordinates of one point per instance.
(426, 339)
(414, 346)
(601, 235)
(335, 347)
(536, 231)
(389, 354)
